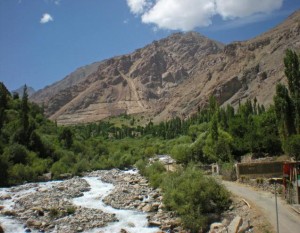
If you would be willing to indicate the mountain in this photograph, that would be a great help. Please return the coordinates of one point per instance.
(174, 77)
(20, 90)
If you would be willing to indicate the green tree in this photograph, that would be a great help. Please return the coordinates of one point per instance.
(182, 153)
(23, 133)
(284, 111)
(269, 139)
(66, 137)
(4, 94)
(214, 128)
(213, 105)
(292, 72)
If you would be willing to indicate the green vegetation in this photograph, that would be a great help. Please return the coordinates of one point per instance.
(31, 145)
(189, 192)
(287, 106)
(54, 212)
(194, 196)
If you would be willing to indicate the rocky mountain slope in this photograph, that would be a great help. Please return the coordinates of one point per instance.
(173, 77)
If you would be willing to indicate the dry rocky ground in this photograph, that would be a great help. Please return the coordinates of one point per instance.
(242, 216)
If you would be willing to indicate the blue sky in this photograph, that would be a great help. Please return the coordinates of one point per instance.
(42, 41)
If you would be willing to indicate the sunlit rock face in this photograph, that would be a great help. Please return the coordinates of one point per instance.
(173, 77)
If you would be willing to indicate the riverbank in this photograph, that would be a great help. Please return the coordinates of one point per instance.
(52, 205)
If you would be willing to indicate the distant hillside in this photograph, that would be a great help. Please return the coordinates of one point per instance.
(174, 77)
(20, 91)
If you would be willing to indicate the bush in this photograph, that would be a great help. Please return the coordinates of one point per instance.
(81, 166)
(59, 168)
(54, 212)
(193, 196)
(141, 165)
(155, 172)
(150, 151)
(17, 153)
(182, 153)
(71, 210)
(20, 172)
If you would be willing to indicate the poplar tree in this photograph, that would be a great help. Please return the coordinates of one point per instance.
(25, 113)
(3, 103)
(284, 111)
(292, 72)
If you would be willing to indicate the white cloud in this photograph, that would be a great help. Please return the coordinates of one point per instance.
(180, 14)
(46, 18)
(137, 6)
(239, 8)
(188, 14)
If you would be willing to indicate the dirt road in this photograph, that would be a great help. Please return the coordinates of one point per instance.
(289, 221)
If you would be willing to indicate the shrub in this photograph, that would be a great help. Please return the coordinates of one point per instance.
(20, 172)
(182, 153)
(155, 172)
(150, 151)
(17, 153)
(193, 195)
(59, 168)
(54, 212)
(71, 210)
(81, 166)
(141, 165)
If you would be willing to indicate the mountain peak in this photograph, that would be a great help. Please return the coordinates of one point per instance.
(173, 77)
(20, 91)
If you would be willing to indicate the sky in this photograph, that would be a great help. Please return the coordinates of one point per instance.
(42, 41)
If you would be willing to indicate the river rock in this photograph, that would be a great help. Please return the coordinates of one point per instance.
(147, 208)
(9, 212)
(38, 210)
(1, 229)
(216, 227)
(65, 176)
(45, 177)
(154, 224)
(235, 224)
(79, 229)
(5, 197)
(33, 223)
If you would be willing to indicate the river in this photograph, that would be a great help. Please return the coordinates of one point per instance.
(129, 220)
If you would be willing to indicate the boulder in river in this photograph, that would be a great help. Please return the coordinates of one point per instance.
(33, 223)
(5, 197)
(9, 213)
